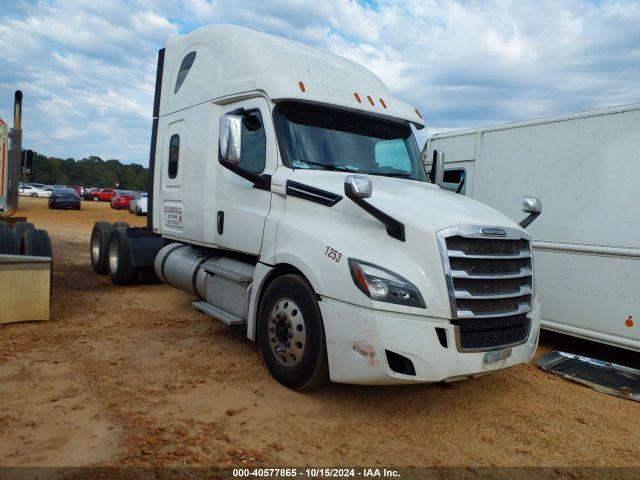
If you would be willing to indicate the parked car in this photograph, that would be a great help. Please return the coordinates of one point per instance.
(88, 193)
(64, 198)
(30, 190)
(103, 195)
(141, 206)
(134, 201)
(120, 193)
(121, 200)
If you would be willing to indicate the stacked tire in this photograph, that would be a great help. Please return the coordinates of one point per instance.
(36, 243)
(24, 239)
(9, 242)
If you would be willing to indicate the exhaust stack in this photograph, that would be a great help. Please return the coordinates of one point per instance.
(17, 111)
(15, 157)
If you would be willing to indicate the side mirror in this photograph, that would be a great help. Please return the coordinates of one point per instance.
(436, 175)
(532, 206)
(230, 133)
(356, 186)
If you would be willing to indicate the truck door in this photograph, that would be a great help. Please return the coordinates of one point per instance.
(242, 209)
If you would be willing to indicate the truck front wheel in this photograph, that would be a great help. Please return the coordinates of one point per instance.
(291, 334)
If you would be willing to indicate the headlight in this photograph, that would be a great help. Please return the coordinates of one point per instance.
(380, 284)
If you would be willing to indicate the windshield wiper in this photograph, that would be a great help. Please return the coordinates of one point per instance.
(388, 174)
(331, 167)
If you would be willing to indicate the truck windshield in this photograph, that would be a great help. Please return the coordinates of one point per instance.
(314, 137)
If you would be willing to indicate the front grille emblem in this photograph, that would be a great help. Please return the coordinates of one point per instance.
(494, 232)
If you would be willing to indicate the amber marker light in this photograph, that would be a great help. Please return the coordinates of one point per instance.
(370, 100)
(384, 105)
(355, 94)
(301, 85)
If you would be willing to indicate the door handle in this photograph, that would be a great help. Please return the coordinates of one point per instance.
(220, 222)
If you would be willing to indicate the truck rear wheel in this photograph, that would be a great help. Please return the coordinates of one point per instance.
(291, 334)
(100, 236)
(9, 242)
(36, 243)
(119, 266)
(121, 225)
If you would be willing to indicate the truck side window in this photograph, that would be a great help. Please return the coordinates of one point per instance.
(454, 180)
(392, 155)
(174, 156)
(254, 143)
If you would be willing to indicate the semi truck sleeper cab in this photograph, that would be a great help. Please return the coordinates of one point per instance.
(288, 196)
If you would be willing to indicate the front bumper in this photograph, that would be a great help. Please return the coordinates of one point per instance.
(358, 338)
(58, 203)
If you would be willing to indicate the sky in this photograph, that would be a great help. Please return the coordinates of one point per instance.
(87, 68)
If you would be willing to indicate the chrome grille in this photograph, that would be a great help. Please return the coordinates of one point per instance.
(490, 282)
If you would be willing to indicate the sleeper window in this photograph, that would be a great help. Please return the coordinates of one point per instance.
(254, 143)
(174, 156)
(185, 66)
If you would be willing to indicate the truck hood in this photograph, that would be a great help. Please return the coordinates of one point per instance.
(423, 206)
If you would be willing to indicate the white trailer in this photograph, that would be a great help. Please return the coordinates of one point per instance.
(287, 195)
(585, 168)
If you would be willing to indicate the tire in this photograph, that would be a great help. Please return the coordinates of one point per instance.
(21, 227)
(121, 225)
(99, 246)
(36, 243)
(78, 207)
(289, 319)
(9, 242)
(34, 195)
(119, 266)
(96, 199)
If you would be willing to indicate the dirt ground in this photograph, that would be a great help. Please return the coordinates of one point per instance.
(135, 376)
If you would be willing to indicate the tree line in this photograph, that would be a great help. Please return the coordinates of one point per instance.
(88, 172)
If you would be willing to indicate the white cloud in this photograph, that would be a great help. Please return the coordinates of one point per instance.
(87, 68)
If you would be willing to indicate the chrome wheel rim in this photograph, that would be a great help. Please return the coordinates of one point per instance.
(113, 256)
(287, 332)
(95, 247)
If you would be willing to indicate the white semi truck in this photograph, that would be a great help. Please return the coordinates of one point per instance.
(287, 195)
(586, 166)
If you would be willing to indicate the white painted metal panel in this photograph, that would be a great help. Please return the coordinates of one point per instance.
(232, 60)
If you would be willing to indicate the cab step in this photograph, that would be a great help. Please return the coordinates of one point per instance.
(218, 313)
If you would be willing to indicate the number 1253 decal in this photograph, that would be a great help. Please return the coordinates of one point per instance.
(333, 254)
